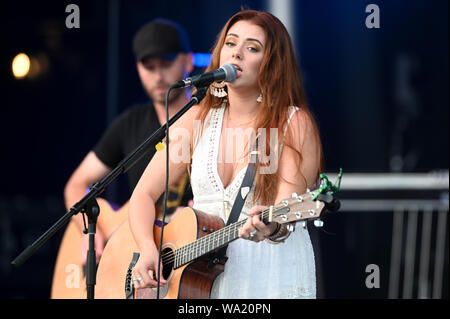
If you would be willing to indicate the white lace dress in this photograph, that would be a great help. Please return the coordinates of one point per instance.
(253, 270)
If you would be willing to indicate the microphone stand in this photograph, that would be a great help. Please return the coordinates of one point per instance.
(88, 204)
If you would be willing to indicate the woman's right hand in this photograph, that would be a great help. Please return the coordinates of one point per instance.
(144, 272)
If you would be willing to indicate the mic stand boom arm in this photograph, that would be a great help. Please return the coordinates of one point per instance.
(88, 203)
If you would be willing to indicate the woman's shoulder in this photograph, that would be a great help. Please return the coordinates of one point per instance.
(292, 109)
(300, 123)
(299, 116)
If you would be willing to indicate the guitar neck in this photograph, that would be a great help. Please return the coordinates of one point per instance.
(207, 244)
(216, 240)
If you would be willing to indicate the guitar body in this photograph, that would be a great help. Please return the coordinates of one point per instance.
(189, 242)
(193, 280)
(69, 281)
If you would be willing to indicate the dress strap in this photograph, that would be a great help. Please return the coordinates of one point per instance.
(293, 110)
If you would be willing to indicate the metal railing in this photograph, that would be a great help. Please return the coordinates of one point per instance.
(419, 228)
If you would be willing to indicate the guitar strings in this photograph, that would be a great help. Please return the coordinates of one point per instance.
(192, 248)
(183, 254)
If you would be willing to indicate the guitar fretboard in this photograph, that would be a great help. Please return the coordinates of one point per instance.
(215, 240)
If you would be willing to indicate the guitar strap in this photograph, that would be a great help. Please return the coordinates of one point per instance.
(247, 183)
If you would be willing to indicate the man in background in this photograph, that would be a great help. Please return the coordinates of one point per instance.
(163, 57)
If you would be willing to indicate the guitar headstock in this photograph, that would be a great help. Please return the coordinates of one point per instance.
(309, 206)
(296, 209)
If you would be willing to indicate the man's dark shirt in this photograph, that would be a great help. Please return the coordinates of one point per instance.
(124, 135)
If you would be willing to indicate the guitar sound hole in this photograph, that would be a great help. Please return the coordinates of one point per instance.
(168, 262)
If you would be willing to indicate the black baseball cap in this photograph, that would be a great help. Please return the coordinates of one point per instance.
(160, 37)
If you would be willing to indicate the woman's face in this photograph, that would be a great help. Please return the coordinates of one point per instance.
(244, 47)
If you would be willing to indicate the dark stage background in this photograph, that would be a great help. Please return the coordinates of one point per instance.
(380, 97)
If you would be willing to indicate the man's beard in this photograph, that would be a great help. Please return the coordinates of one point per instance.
(161, 98)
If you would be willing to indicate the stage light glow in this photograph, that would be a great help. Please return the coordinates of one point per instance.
(21, 65)
(202, 59)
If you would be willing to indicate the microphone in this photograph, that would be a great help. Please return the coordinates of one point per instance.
(226, 72)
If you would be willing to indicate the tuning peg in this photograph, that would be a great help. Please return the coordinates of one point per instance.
(294, 195)
(303, 224)
(318, 223)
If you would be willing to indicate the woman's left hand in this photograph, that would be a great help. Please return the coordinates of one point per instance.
(254, 229)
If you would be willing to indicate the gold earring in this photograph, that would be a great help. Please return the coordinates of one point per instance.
(218, 89)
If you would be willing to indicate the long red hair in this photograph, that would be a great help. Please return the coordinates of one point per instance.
(281, 85)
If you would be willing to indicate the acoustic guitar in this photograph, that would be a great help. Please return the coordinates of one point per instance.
(188, 245)
(69, 281)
